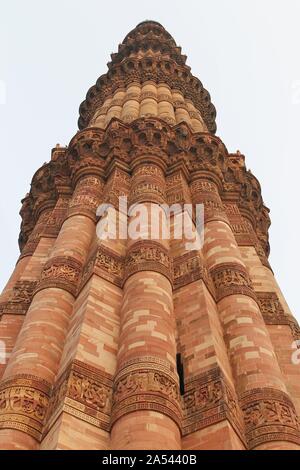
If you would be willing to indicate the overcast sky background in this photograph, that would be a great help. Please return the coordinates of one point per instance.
(246, 53)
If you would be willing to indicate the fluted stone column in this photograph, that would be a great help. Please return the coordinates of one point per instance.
(208, 381)
(80, 410)
(165, 104)
(27, 253)
(282, 326)
(116, 106)
(146, 412)
(148, 105)
(34, 362)
(259, 382)
(131, 106)
(17, 295)
(108, 322)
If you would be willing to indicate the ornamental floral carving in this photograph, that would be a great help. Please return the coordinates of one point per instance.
(22, 292)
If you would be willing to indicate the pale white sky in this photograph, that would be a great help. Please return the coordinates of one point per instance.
(246, 53)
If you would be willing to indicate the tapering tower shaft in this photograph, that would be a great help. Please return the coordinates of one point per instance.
(138, 341)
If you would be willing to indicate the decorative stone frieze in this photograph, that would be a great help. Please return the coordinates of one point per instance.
(189, 268)
(209, 399)
(146, 383)
(148, 255)
(231, 279)
(20, 298)
(24, 401)
(82, 391)
(274, 314)
(269, 415)
(106, 264)
(62, 272)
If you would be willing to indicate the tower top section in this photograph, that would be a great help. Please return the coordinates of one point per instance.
(148, 54)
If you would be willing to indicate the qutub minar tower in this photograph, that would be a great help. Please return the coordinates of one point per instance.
(141, 344)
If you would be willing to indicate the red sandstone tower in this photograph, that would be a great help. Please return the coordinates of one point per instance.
(141, 344)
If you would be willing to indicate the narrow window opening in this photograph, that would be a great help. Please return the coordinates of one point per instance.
(180, 372)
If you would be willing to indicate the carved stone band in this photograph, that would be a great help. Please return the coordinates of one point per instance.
(84, 392)
(62, 272)
(262, 255)
(86, 197)
(106, 264)
(209, 399)
(24, 401)
(146, 384)
(274, 314)
(84, 205)
(231, 279)
(148, 255)
(34, 237)
(206, 193)
(147, 192)
(53, 225)
(213, 210)
(188, 268)
(271, 308)
(148, 181)
(295, 328)
(20, 298)
(269, 415)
